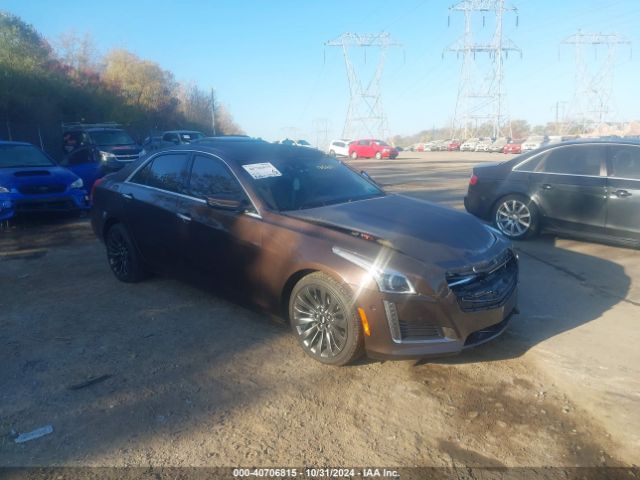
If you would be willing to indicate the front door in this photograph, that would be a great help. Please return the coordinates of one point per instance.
(623, 191)
(223, 243)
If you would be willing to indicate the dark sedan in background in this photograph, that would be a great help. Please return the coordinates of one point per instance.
(304, 236)
(586, 188)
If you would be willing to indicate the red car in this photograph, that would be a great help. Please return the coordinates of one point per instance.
(369, 148)
(453, 145)
(514, 146)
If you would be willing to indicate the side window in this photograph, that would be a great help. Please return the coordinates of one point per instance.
(625, 162)
(573, 160)
(363, 142)
(210, 176)
(166, 172)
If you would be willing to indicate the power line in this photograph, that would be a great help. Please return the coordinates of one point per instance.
(365, 115)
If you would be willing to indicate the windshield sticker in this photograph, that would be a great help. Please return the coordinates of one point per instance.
(262, 170)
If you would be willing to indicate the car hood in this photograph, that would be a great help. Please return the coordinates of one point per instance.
(18, 176)
(422, 230)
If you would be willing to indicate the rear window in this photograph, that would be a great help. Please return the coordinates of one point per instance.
(15, 156)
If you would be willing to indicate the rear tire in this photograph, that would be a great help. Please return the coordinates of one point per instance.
(332, 153)
(324, 320)
(123, 258)
(516, 216)
(378, 155)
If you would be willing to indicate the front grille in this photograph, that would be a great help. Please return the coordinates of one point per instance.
(39, 189)
(485, 286)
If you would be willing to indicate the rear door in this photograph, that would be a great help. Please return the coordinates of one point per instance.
(623, 191)
(151, 198)
(569, 185)
(222, 243)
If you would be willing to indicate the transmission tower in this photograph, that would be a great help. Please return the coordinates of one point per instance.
(481, 94)
(365, 116)
(592, 102)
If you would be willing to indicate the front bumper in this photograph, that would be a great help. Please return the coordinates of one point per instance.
(13, 204)
(417, 326)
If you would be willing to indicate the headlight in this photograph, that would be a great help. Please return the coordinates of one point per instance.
(77, 184)
(4, 190)
(107, 156)
(495, 231)
(388, 280)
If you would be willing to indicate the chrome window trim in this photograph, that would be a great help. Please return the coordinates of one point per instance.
(255, 214)
(624, 178)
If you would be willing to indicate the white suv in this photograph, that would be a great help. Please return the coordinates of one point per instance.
(339, 148)
(534, 142)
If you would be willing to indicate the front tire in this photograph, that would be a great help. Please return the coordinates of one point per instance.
(122, 255)
(324, 319)
(516, 217)
(354, 155)
(332, 153)
(378, 155)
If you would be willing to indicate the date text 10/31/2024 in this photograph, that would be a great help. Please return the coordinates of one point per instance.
(311, 472)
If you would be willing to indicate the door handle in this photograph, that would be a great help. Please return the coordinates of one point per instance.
(622, 193)
(127, 196)
(546, 186)
(183, 217)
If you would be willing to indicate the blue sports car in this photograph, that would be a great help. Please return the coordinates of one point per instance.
(30, 181)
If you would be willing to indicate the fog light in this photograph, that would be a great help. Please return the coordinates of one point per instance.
(392, 317)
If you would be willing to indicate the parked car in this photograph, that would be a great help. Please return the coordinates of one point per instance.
(514, 146)
(93, 150)
(483, 145)
(170, 138)
(534, 142)
(304, 143)
(498, 144)
(339, 148)
(453, 145)
(369, 148)
(469, 145)
(588, 188)
(31, 181)
(302, 235)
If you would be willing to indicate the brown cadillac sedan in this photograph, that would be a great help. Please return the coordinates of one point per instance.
(302, 235)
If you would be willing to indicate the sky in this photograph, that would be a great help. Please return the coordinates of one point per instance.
(269, 65)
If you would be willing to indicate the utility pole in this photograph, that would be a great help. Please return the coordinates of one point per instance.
(365, 115)
(593, 96)
(213, 111)
(481, 93)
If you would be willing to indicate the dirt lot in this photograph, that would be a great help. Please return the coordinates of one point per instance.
(195, 379)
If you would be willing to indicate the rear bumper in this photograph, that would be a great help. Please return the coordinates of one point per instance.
(475, 206)
(16, 204)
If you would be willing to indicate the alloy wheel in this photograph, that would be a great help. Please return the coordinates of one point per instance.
(118, 254)
(320, 321)
(514, 218)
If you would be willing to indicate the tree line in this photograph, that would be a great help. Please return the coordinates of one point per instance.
(43, 86)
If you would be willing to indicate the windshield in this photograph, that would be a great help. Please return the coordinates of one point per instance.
(296, 182)
(111, 137)
(382, 143)
(12, 156)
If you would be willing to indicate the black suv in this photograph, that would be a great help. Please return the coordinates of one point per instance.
(93, 150)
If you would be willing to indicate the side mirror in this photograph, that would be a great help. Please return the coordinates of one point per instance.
(231, 204)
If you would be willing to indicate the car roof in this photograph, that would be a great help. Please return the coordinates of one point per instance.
(181, 131)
